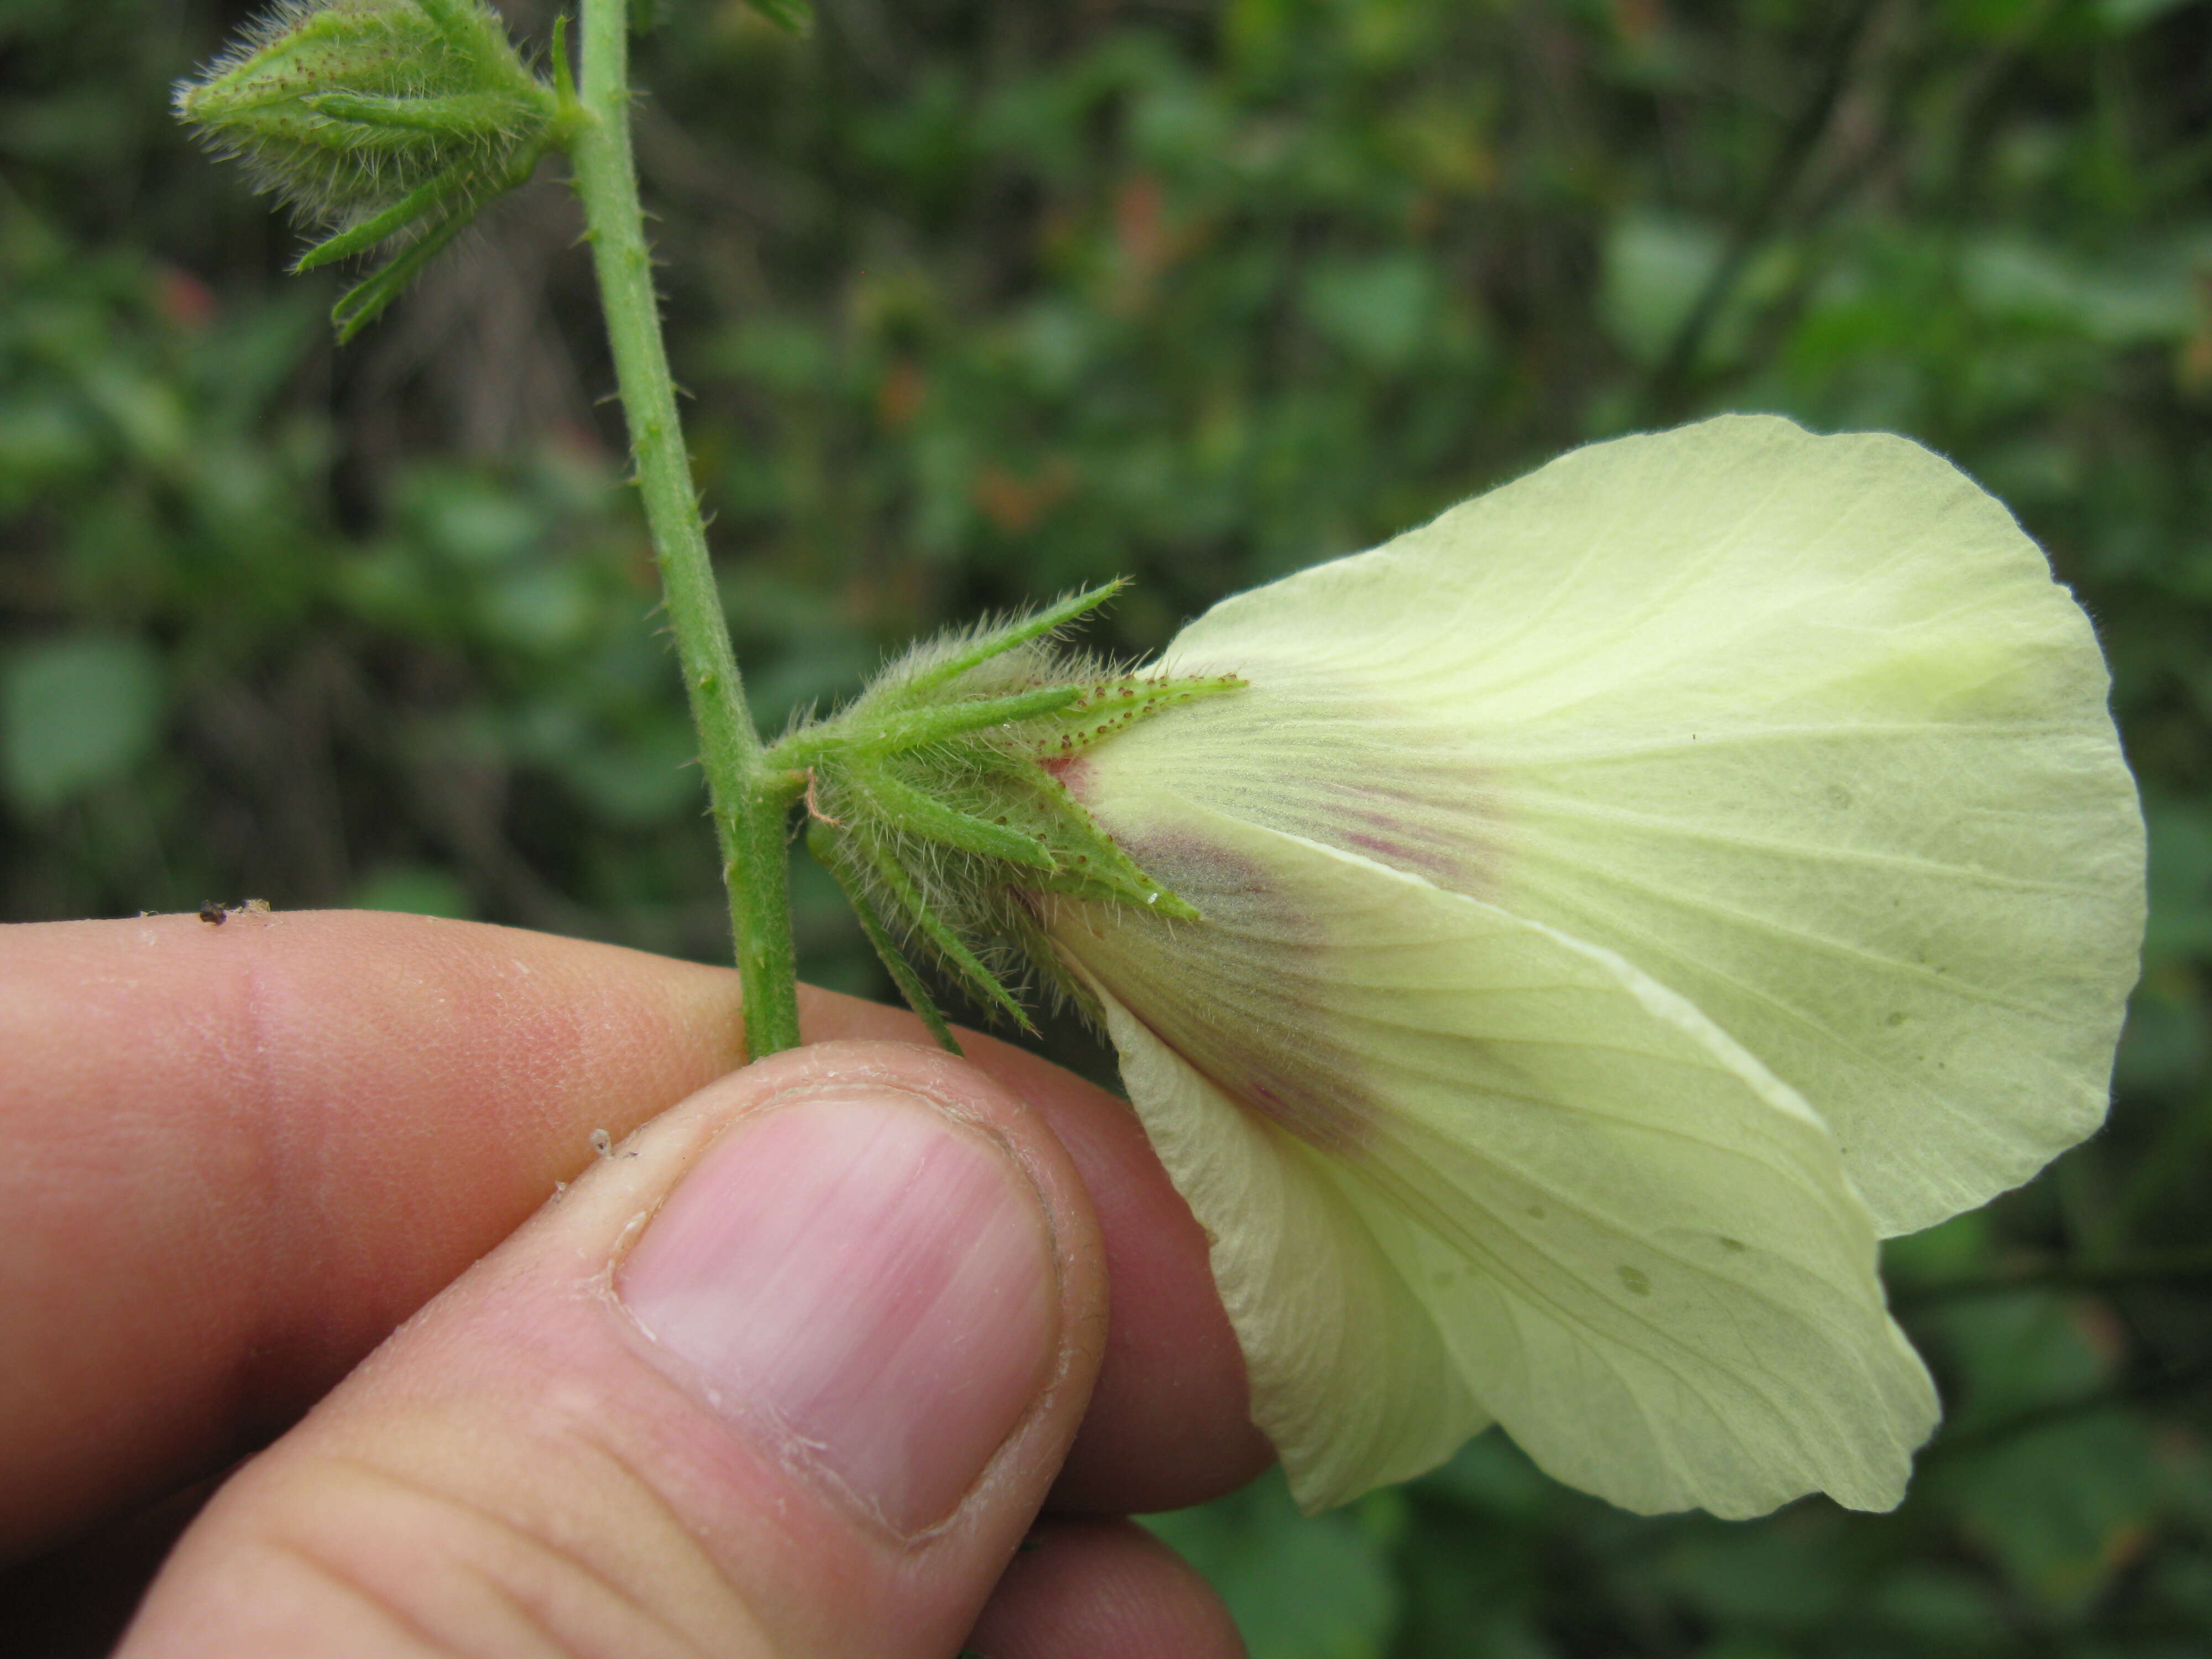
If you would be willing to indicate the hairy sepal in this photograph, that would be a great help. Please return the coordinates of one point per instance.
(935, 798)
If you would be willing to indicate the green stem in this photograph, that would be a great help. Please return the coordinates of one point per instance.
(751, 801)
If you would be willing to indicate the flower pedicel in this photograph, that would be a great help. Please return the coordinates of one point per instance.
(1549, 951)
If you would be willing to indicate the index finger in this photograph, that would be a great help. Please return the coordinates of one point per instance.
(239, 1156)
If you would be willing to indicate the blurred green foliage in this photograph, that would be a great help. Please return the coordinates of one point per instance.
(977, 300)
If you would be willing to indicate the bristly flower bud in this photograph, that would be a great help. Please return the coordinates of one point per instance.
(376, 119)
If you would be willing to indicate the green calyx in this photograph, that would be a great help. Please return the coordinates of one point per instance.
(936, 800)
(380, 120)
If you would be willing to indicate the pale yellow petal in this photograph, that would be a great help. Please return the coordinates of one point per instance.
(1801, 726)
(1638, 1248)
(1351, 1380)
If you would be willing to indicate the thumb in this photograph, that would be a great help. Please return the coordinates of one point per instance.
(789, 1373)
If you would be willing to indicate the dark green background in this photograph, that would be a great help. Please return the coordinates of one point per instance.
(977, 302)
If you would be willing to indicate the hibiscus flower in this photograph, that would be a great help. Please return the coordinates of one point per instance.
(1620, 902)
(1549, 951)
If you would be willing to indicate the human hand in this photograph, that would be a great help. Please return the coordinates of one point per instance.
(790, 1372)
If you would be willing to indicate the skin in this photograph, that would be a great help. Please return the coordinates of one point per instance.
(242, 1155)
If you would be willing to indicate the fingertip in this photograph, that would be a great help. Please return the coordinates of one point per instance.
(803, 1357)
(1170, 1422)
(1100, 1589)
(890, 1258)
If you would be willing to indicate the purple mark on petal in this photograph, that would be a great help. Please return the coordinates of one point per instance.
(1327, 1121)
(1395, 852)
(1433, 825)
(1242, 994)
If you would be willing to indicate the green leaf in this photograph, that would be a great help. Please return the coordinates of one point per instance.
(75, 714)
(1655, 268)
(1383, 312)
(795, 15)
(1299, 1587)
(2054, 1492)
(418, 890)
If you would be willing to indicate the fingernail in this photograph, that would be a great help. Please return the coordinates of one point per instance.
(871, 1275)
